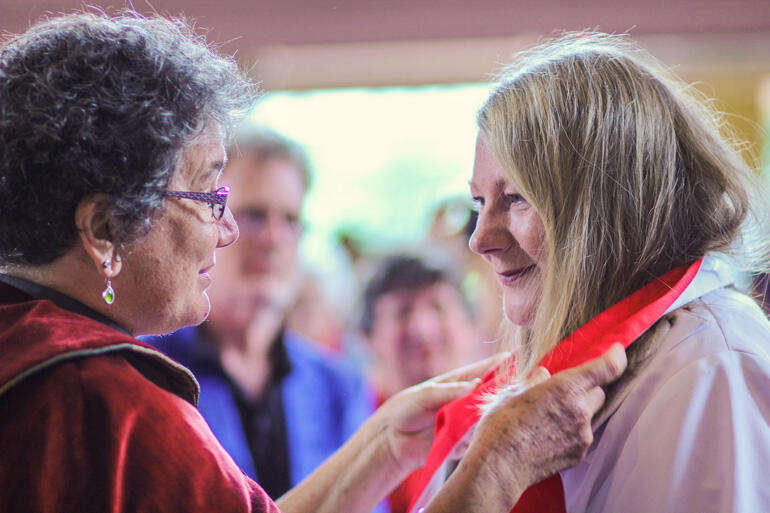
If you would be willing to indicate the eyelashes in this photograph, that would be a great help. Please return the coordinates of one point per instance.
(514, 199)
(509, 200)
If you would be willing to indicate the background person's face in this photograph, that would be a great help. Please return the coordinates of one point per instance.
(259, 271)
(509, 235)
(417, 334)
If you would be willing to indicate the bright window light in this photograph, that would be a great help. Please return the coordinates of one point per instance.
(382, 158)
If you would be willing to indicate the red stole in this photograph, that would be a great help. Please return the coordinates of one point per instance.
(623, 322)
(82, 429)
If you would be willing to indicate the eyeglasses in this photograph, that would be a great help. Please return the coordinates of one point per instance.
(216, 200)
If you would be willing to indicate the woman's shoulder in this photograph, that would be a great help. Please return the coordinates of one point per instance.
(718, 342)
(112, 383)
(724, 320)
(693, 412)
(93, 360)
(724, 333)
(103, 422)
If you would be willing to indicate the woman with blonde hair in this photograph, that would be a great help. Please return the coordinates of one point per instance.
(608, 205)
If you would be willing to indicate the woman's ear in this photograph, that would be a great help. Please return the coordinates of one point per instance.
(97, 234)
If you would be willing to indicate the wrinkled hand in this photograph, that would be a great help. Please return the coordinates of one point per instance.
(526, 438)
(410, 414)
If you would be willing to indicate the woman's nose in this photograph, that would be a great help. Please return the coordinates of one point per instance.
(491, 233)
(228, 229)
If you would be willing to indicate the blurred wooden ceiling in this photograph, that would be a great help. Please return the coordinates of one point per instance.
(299, 44)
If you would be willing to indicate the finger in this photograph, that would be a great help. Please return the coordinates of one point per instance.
(601, 370)
(537, 376)
(474, 370)
(435, 395)
(594, 399)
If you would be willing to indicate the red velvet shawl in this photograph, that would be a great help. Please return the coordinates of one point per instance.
(92, 420)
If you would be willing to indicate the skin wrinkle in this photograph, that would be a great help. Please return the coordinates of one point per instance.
(562, 418)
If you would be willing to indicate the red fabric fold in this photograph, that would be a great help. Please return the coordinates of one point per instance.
(623, 322)
(92, 420)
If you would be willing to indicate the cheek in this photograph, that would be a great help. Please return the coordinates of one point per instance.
(382, 339)
(530, 235)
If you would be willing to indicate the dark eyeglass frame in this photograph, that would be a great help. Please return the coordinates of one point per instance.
(217, 200)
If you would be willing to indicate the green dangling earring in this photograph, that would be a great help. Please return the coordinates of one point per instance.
(108, 294)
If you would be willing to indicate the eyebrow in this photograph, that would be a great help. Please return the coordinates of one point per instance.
(500, 184)
(472, 186)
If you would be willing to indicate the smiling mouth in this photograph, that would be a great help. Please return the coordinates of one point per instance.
(511, 277)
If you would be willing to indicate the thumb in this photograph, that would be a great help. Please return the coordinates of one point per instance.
(601, 370)
(473, 370)
(415, 408)
(435, 395)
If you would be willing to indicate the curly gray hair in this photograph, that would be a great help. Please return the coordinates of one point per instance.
(97, 104)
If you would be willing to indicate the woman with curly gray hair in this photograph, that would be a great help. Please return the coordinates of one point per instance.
(112, 138)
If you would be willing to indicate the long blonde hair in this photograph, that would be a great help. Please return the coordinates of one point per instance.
(625, 166)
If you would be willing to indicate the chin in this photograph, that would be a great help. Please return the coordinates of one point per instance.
(204, 311)
(519, 316)
(195, 315)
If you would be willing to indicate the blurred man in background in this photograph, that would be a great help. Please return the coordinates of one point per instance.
(278, 403)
